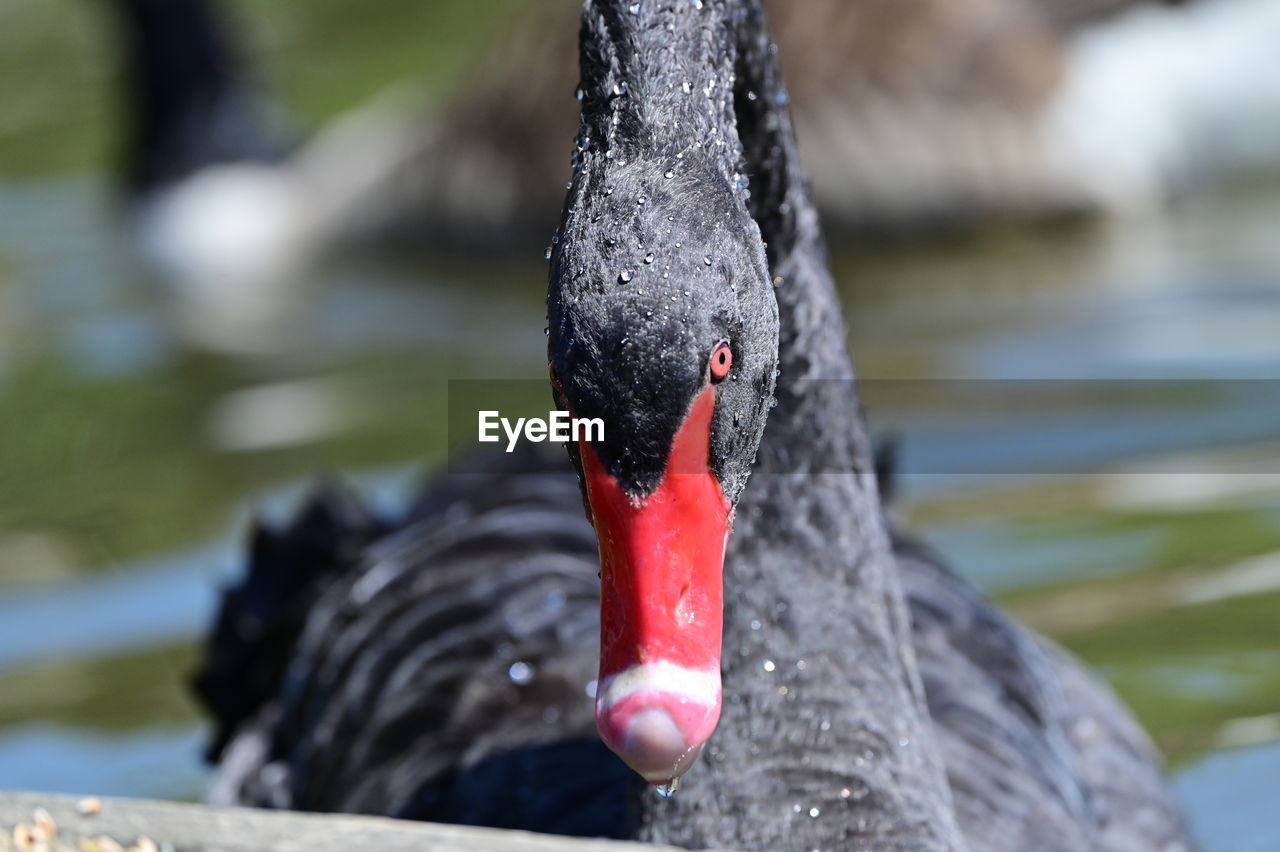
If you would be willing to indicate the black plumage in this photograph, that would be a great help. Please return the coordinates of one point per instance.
(872, 699)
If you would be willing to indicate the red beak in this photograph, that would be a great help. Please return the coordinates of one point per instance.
(661, 602)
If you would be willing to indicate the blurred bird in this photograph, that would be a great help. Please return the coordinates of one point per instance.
(912, 115)
(1165, 100)
(215, 208)
(228, 210)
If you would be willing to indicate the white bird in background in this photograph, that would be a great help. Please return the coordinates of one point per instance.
(1162, 99)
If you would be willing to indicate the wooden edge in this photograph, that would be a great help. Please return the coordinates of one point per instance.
(110, 825)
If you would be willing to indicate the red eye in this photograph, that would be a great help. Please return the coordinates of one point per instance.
(721, 361)
(555, 379)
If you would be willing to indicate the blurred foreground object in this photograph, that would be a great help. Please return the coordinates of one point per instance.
(138, 824)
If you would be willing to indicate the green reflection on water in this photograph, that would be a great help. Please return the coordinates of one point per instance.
(112, 468)
(116, 693)
(319, 57)
(1185, 664)
(1185, 671)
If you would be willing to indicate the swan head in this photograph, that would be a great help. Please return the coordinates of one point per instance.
(662, 324)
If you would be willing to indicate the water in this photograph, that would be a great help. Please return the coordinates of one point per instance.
(102, 596)
(1234, 795)
(1145, 538)
(668, 789)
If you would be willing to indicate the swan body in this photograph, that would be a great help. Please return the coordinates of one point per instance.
(443, 667)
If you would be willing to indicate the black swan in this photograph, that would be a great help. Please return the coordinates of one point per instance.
(188, 103)
(439, 669)
(227, 208)
(212, 209)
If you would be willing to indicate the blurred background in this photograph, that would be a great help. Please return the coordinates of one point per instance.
(246, 244)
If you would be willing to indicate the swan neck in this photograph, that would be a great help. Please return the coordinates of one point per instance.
(817, 425)
(657, 83)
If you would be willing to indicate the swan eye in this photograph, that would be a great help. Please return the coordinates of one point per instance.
(555, 379)
(721, 361)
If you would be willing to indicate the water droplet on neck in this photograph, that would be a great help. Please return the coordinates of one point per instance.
(624, 276)
(668, 789)
(620, 88)
(707, 260)
(669, 174)
(648, 258)
(520, 673)
(635, 8)
(547, 254)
